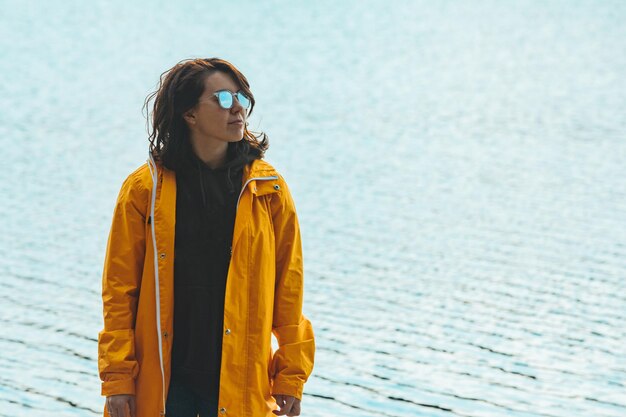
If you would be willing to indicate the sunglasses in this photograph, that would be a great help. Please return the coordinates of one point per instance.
(226, 99)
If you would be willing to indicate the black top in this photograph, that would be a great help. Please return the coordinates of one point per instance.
(205, 216)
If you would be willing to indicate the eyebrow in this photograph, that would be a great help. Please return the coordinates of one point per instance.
(228, 89)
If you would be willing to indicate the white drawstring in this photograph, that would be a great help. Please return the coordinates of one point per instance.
(155, 177)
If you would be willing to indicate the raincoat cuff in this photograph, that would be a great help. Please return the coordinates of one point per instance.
(288, 387)
(120, 386)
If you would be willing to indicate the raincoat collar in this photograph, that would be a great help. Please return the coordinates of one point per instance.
(253, 169)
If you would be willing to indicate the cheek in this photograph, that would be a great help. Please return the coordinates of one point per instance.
(214, 122)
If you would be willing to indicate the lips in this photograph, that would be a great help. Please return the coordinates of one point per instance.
(236, 122)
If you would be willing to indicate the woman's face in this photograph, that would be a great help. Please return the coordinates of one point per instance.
(210, 122)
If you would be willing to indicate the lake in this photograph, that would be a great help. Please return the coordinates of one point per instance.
(458, 169)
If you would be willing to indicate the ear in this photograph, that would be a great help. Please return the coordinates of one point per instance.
(190, 117)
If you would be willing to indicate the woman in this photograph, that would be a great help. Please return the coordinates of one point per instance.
(203, 264)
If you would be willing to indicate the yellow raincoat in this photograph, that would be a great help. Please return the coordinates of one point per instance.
(264, 295)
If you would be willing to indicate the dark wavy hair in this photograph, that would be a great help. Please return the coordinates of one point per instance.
(179, 89)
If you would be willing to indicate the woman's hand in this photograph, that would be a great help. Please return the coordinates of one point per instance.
(288, 405)
(118, 404)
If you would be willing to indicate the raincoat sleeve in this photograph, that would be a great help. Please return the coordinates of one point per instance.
(121, 280)
(292, 363)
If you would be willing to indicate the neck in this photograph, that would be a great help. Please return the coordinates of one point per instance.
(210, 151)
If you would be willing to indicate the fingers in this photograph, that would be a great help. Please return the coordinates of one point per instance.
(295, 409)
(133, 407)
(113, 409)
(289, 405)
(117, 405)
(280, 403)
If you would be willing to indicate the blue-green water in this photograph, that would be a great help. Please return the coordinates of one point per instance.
(458, 168)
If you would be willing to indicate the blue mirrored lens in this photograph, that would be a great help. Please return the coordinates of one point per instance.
(243, 100)
(225, 99)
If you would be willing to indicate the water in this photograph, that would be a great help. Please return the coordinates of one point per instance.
(458, 168)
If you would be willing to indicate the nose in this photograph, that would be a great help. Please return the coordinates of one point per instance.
(237, 107)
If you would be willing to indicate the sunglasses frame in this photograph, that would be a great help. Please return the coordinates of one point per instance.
(234, 96)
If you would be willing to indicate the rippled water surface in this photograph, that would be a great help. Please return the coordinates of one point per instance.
(458, 168)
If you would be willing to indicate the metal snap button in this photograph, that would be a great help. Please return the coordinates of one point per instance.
(227, 331)
(223, 410)
(162, 255)
(276, 187)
